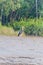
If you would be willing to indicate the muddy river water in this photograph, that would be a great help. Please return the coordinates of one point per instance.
(21, 50)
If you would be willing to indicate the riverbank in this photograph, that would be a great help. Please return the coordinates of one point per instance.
(8, 31)
(30, 27)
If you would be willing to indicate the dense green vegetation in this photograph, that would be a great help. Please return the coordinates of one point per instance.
(19, 9)
(31, 26)
(22, 13)
(34, 28)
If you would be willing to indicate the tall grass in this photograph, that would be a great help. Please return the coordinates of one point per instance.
(4, 30)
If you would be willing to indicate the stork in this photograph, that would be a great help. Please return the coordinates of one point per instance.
(20, 31)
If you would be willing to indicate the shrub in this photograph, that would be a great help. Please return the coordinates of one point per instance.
(34, 28)
(31, 26)
(16, 26)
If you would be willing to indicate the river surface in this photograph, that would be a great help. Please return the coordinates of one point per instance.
(21, 50)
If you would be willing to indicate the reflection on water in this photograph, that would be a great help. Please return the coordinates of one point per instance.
(19, 50)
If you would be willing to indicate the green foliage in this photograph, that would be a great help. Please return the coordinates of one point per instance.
(12, 11)
(23, 8)
(34, 28)
(16, 26)
(31, 26)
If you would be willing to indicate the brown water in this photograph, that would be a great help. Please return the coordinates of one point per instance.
(21, 50)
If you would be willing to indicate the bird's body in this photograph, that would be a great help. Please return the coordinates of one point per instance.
(20, 32)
